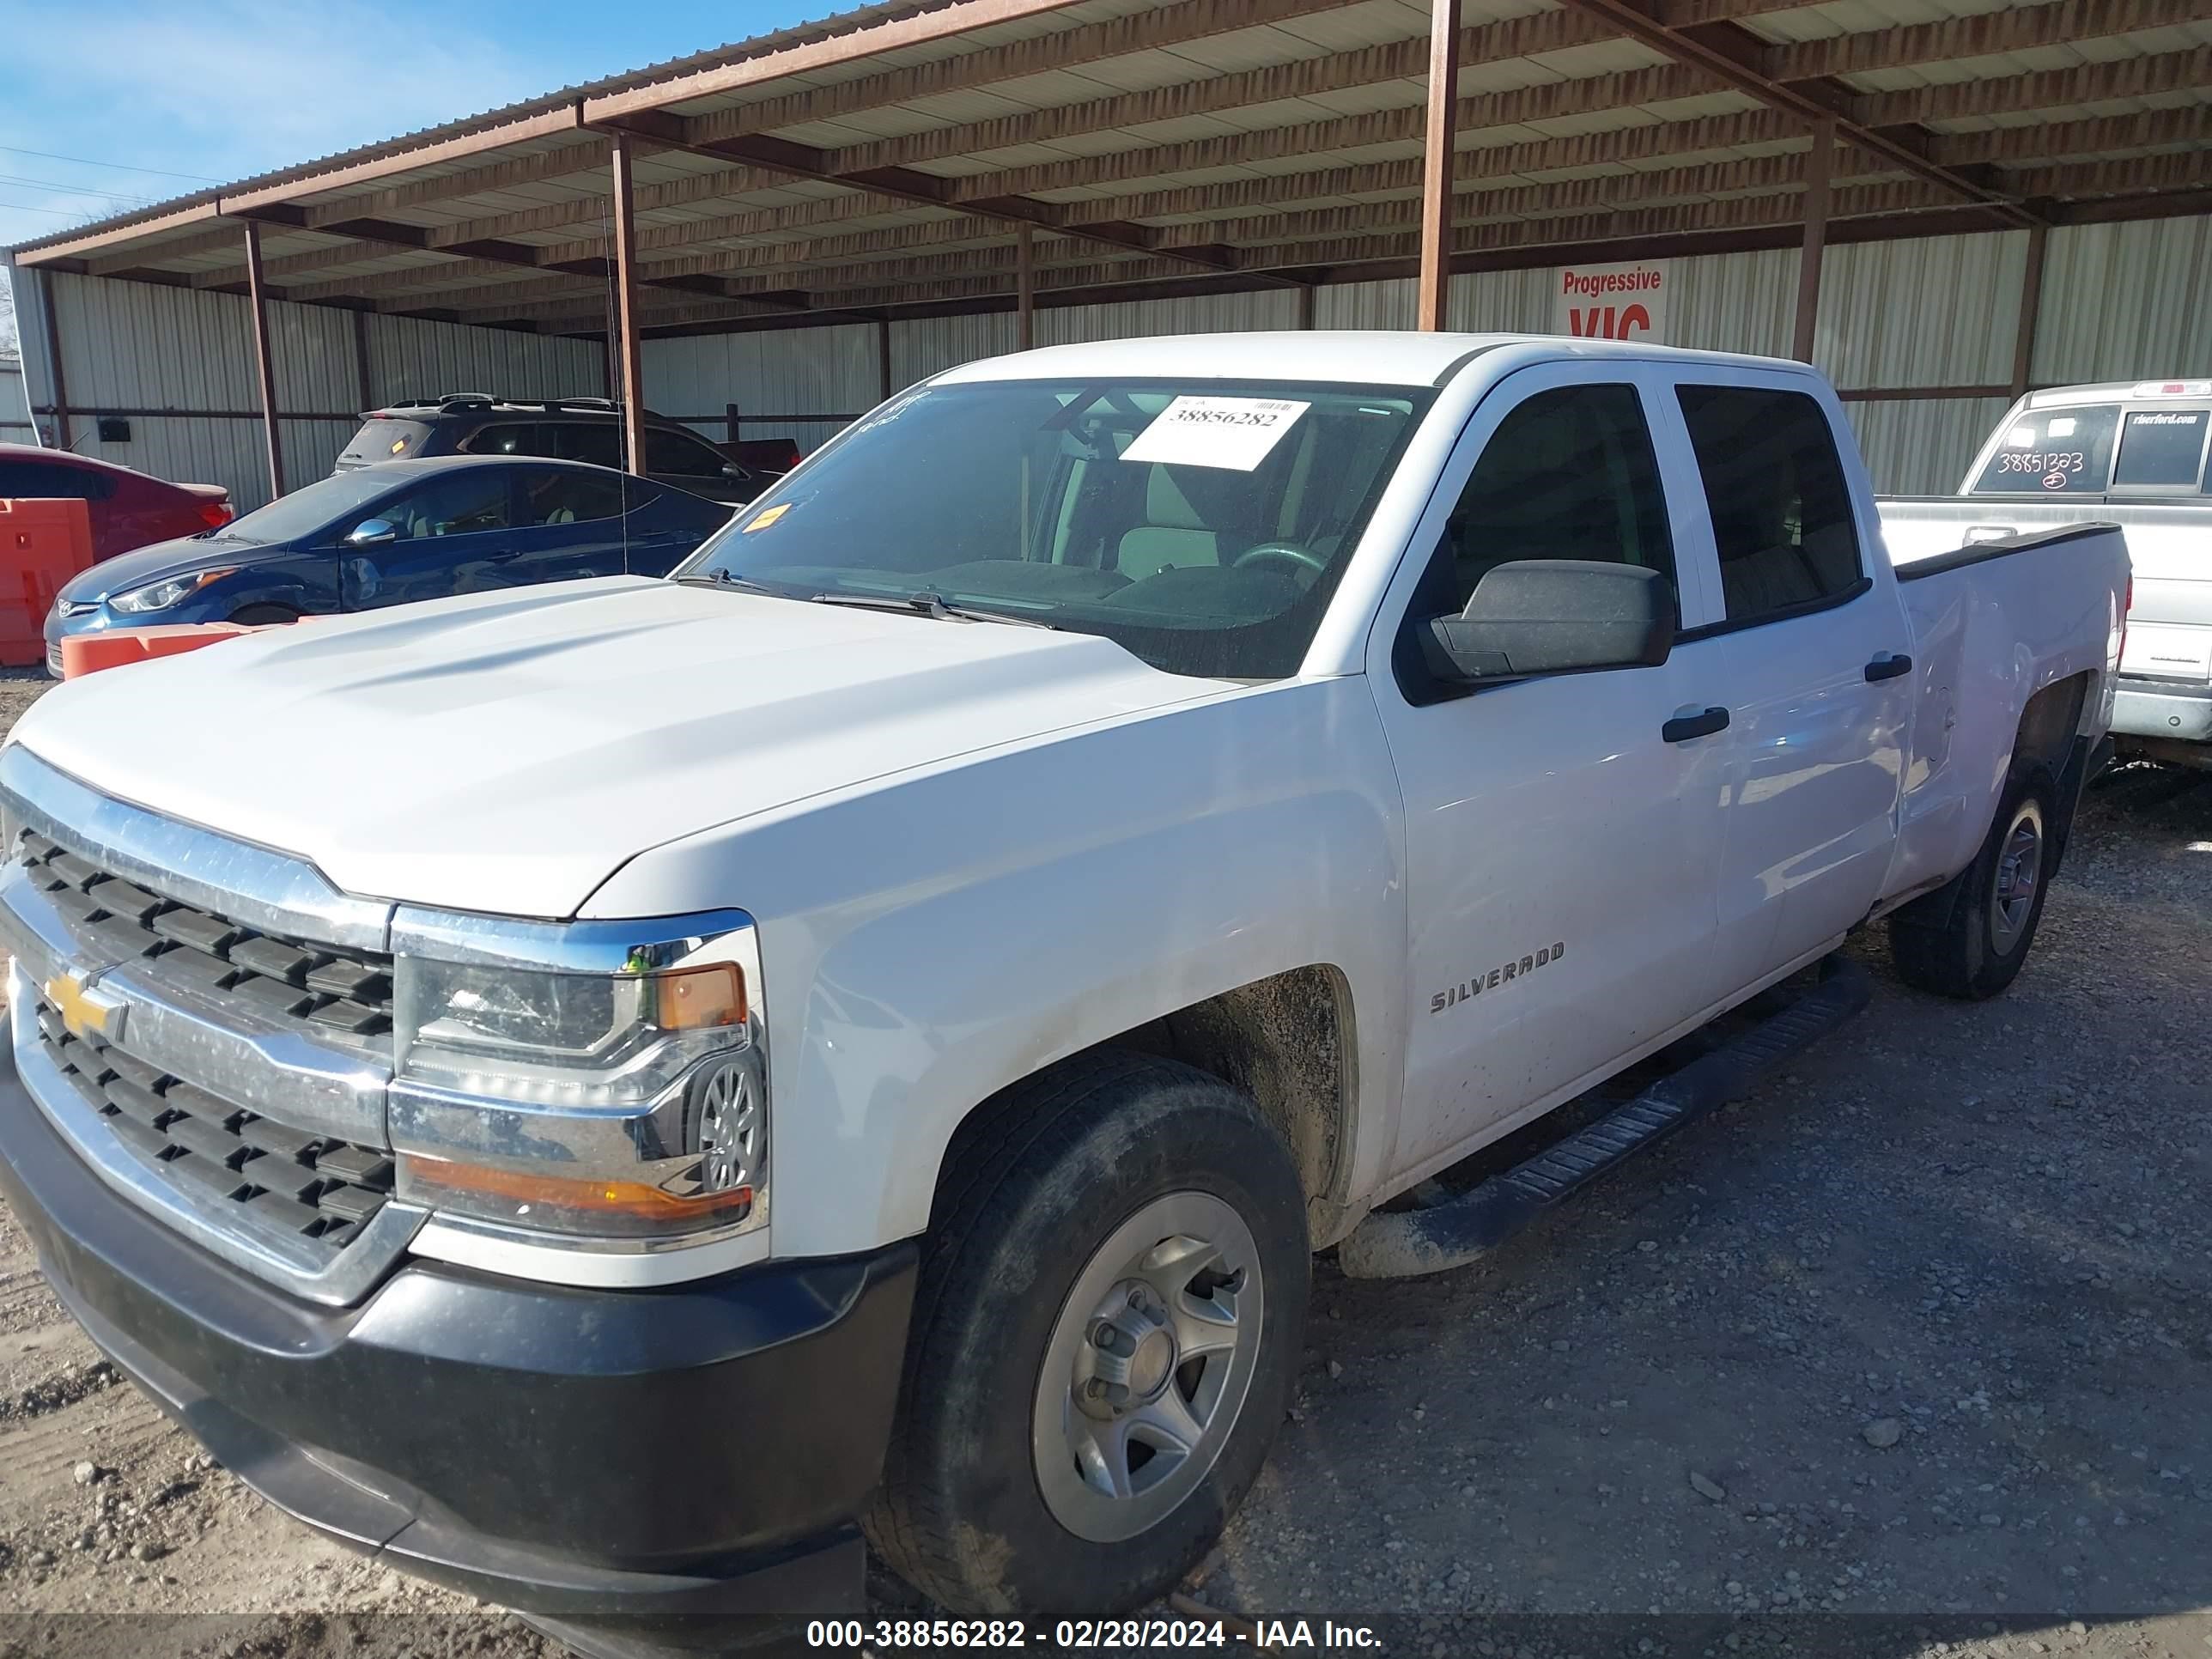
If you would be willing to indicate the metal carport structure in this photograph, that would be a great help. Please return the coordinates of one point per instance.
(982, 155)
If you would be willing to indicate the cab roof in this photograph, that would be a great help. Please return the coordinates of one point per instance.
(1396, 357)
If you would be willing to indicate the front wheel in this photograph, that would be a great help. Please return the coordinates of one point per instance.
(1969, 938)
(1106, 1333)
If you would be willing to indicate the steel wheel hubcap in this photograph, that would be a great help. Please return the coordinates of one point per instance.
(1147, 1367)
(2019, 873)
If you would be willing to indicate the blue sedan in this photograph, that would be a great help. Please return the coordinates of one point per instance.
(385, 535)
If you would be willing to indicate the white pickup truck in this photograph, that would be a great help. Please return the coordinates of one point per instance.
(603, 1093)
(2137, 454)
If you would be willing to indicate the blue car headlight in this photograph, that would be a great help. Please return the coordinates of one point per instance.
(160, 596)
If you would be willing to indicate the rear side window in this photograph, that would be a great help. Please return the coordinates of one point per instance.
(2161, 449)
(570, 497)
(2052, 452)
(508, 438)
(53, 481)
(674, 455)
(599, 443)
(1781, 508)
(384, 440)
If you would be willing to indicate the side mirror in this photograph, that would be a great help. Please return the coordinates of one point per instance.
(735, 473)
(369, 532)
(1555, 616)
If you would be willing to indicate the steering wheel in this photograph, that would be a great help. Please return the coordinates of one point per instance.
(1301, 559)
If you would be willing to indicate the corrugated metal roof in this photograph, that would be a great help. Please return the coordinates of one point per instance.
(884, 157)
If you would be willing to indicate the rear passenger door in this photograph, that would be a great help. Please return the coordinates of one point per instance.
(1810, 658)
(1561, 848)
(569, 524)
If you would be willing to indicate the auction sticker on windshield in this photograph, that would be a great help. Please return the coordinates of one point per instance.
(1235, 433)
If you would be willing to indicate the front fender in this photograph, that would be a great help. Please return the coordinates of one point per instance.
(928, 940)
(306, 584)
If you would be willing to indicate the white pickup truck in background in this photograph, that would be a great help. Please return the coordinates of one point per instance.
(2137, 454)
(600, 1092)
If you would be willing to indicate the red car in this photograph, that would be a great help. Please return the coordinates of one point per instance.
(128, 509)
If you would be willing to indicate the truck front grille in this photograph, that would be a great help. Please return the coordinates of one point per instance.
(321, 1189)
(324, 990)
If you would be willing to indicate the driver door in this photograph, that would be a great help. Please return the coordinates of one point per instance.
(452, 533)
(1562, 845)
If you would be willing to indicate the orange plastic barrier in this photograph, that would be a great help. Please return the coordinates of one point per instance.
(42, 544)
(88, 654)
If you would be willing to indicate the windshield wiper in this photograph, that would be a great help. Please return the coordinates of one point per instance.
(930, 603)
(735, 584)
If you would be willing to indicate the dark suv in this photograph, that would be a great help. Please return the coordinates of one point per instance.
(567, 429)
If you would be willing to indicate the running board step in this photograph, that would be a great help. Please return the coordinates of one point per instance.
(1400, 1244)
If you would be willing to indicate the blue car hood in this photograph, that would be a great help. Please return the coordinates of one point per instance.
(157, 560)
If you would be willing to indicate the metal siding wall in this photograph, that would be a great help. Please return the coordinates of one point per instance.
(799, 371)
(2125, 303)
(1943, 311)
(929, 345)
(139, 345)
(14, 405)
(1734, 302)
(410, 357)
(1500, 302)
(1369, 305)
(1921, 446)
(1206, 314)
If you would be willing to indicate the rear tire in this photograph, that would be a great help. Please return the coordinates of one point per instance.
(1968, 938)
(1118, 1267)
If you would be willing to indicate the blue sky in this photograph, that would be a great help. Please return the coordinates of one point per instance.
(220, 90)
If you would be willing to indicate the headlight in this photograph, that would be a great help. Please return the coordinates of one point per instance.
(600, 1081)
(160, 596)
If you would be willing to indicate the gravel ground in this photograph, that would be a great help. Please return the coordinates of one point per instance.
(1910, 1353)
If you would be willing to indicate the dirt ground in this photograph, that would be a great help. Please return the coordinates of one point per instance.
(1910, 1353)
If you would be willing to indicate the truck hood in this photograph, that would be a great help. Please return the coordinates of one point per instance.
(506, 752)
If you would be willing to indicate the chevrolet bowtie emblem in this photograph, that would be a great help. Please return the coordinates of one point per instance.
(86, 1010)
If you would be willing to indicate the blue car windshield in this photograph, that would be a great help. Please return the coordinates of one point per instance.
(1203, 524)
(305, 511)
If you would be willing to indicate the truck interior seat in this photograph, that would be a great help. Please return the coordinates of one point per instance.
(1174, 535)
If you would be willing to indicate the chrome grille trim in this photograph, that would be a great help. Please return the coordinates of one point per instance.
(298, 1264)
(257, 1064)
(271, 891)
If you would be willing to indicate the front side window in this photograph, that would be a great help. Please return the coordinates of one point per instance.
(2052, 452)
(2162, 449)
(1202, 526)
(1568, 475)
(453, 504)
(1781, 508)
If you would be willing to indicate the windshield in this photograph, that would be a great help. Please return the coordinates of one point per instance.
(1202, 526)
(290, 517)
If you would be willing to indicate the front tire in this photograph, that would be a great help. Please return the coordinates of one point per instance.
(1106, 1333)
(1969, 938)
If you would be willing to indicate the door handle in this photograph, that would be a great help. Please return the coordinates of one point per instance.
(1888, 666)
(1683, 727)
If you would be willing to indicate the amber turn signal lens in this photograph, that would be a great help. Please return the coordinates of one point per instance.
(697, 998)
(429, 1179)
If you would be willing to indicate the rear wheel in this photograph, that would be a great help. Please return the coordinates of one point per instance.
(1969, 938)
(1106, 1333)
